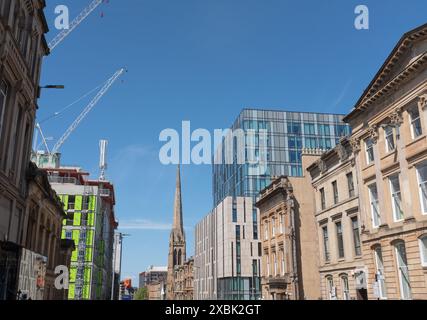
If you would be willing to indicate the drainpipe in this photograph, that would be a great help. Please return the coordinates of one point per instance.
(295, 280)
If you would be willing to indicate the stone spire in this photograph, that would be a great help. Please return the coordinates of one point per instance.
(177, 245)
(177, 210)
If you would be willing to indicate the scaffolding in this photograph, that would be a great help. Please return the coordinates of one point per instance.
(82, 246)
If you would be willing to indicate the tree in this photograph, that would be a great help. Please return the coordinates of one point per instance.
(141, 294)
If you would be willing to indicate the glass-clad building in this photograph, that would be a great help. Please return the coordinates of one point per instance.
(287, 134)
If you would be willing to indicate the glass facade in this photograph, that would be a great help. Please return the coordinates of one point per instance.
(287, 134)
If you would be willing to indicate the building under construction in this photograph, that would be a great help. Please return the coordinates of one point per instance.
(90, 222)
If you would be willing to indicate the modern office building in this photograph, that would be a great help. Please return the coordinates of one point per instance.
(227, 253)
(90, 222)
(287, 134)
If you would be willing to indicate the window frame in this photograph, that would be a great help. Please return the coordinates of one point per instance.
(423, 250)
(326, 249)
(369, 147)
(423, 205)
(393, 193)
(4, 91)
(350, 185)
(345, 287)
(413, 120)
(378, 258)
(356, 233)
(378, 217)
(387, 136)
(340, 239)
(335, 192)
(322, 198)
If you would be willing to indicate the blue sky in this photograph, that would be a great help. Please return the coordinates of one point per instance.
(203, 61)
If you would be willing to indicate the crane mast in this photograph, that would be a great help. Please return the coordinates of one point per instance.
(74, 24)
(89, 107)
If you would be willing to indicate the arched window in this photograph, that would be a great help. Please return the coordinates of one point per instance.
(403, 270)
(330, 287)
(423, 250)
(179, 257)
(379, 275)
(175, 258)
(345, 287)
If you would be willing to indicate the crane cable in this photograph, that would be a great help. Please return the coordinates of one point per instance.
(60, 112)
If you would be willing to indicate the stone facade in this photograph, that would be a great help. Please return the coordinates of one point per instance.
(390, 143)
(341, 265)
(184, 280)
(43, 232)
(22, 47)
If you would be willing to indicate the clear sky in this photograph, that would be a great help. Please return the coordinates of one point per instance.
(203, 61)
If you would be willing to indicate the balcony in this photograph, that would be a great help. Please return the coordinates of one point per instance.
(277, 281)
(62, 180)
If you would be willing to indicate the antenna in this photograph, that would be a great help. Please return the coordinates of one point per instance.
(103, 158)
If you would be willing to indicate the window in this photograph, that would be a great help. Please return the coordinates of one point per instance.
(283, 262)
(234, 214)
(423, 250)
(326, 243)
(275, 263)
(267, 257)
(375, 211)
(369, 151)
(350, 185)
(396, 198)
(340, 240)
(282, 223)
(422, 183)
(331, 288)
(345, 288)
(322, 199)
(3, 98)
(379, 276)
(266, 230)
(335, 190)
(68, 235)
(414, 117)
(273, 227)
(389, 138)
(356, 236)
(402, 265)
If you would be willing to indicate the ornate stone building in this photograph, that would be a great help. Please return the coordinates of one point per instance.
(177, 244)
(390, 144)
(341, 265)
(43, 236)
(184, 281)
(22, 47)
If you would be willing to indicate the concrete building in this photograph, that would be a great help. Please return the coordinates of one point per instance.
(184, 281)
(143, 279)
(389, 124)
(22, 47)
(117, 265)
(90, 222)
(341, 266)
(227, 258)
(156, 290)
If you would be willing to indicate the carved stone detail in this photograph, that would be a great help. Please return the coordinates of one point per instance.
(373, 133)
(396, 117)
(342, 152)
(422, 101)
(355, 144)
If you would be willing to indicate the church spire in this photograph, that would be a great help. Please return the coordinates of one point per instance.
(177, 211)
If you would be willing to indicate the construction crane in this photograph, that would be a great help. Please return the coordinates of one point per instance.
(74, 24)
(51, 158)
(89, 107)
